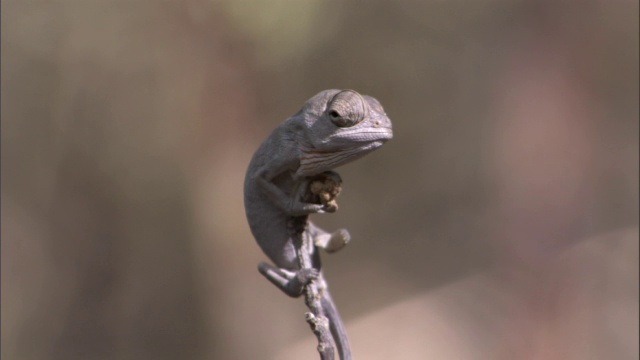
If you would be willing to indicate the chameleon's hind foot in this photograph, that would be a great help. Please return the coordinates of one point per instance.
(290, 282)
(333, 242)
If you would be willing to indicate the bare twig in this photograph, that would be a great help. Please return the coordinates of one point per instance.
(320, 189)
(315, 318)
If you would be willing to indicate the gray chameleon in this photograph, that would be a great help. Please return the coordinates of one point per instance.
(333, 128)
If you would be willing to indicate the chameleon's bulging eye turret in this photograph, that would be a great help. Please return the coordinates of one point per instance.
(347, 108)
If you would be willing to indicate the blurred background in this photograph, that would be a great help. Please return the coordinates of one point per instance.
(501, 222)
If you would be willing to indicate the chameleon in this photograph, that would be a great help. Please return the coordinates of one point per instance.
(332, 128)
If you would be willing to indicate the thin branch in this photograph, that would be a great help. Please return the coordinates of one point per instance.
(315, 318)
(320, 189)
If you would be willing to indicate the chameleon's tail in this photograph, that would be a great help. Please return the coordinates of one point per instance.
(335, 325)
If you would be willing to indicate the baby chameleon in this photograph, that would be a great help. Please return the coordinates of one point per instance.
(333, 128)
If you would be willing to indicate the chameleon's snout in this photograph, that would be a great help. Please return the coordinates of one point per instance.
(383, 132)
(382, 127)
(388, 134)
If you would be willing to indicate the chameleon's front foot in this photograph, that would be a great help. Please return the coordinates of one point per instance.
(297, 208)
(315, 194)
(291, 283)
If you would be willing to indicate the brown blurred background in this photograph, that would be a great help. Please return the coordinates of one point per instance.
(500, 223)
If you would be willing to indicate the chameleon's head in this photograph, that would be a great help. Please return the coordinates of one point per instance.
(341, 126)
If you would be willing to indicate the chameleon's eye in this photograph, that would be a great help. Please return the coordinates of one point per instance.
(347, 108)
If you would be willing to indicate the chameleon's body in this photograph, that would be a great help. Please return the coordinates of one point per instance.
(333, 128)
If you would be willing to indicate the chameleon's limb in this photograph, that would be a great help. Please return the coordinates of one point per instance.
(329, 242)
(290, 282)
(323, 189)
(290, 205)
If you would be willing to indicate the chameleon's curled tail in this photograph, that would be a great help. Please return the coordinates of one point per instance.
(335, 325)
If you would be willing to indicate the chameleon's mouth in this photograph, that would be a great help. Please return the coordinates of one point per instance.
(369, 135)
(371, 146)
(316, 161)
